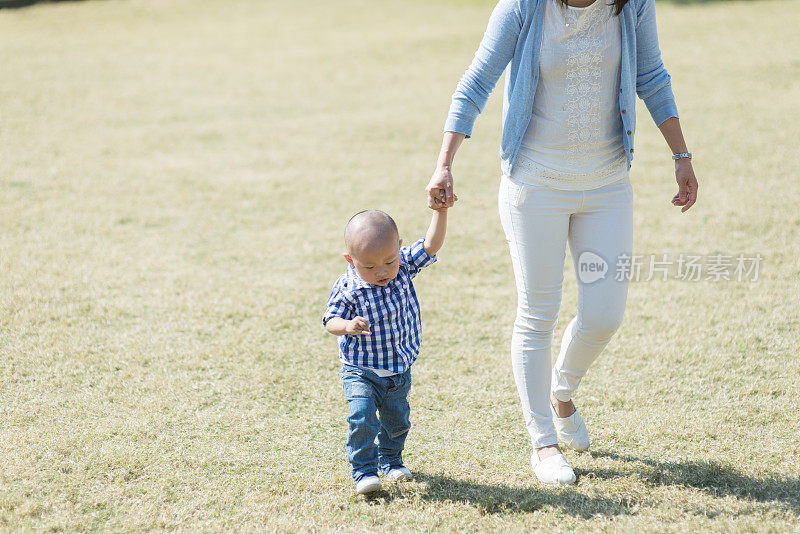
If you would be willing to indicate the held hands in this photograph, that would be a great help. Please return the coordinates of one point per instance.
(687, 184)
(357, 325)
(440, 190)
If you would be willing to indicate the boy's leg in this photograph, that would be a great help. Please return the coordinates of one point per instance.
(363, 424)
(395, 422)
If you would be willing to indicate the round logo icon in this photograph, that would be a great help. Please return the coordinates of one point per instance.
(591, 267)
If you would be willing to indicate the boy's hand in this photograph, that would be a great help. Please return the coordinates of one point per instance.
(358, 325)
(439, 202)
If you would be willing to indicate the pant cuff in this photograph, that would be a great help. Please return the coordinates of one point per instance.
(544, 441)
(563, 395)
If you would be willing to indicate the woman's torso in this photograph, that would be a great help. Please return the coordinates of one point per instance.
(574, 139)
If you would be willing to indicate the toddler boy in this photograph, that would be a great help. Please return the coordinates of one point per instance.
(373, 309)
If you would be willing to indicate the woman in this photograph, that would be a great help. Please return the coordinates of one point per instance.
(566, 149)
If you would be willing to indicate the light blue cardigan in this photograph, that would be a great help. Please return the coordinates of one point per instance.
(514, 34)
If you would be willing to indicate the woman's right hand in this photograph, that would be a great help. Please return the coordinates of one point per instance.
(440, 189)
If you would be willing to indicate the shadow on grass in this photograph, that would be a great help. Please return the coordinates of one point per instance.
(25, 3)
(710, 477)
(500, 499)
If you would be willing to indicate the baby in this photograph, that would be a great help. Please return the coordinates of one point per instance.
(373, 309)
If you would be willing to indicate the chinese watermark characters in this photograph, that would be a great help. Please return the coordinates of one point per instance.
(716, 267)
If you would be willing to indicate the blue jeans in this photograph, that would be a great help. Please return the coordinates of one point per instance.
(379, 419)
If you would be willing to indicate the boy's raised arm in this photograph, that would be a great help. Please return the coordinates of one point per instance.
(434, 238)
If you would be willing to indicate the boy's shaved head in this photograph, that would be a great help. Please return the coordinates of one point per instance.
(367, 229)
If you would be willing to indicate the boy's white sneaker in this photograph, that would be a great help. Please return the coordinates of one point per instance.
(368, 484)
(399, 474)
(571, 431)
(553, 470)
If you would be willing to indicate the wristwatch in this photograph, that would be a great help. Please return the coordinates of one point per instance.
(682, 155)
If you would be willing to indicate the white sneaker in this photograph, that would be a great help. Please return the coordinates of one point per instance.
(368, 484)
(399, 474)
(571, 431)
(553, 470)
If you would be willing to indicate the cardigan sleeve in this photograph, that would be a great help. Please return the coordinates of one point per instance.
(652, 79)
(494, 53)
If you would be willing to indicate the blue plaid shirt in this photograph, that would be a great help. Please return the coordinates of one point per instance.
(392, 312)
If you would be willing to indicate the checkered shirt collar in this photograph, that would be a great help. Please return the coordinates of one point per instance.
(356, 280)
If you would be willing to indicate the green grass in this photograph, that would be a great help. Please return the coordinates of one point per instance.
(174, 181)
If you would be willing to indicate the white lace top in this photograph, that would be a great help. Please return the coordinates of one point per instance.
(574, 138)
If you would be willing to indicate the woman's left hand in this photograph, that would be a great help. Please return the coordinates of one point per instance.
(687, 184)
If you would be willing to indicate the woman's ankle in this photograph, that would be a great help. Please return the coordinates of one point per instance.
(562, 409)
(547, 451)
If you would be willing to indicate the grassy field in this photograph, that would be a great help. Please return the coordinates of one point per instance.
(174, 180)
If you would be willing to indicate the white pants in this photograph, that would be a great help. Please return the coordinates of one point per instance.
(538, 222)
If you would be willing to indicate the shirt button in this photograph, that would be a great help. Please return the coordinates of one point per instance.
(620, 90)
(629, 132)
(631, 151)
(623, 112)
